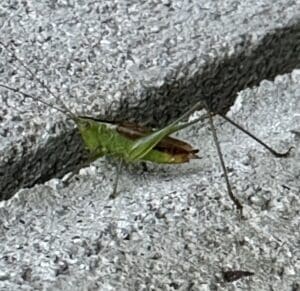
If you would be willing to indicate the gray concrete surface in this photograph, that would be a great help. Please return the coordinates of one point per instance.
(144, 61)
(172, 227)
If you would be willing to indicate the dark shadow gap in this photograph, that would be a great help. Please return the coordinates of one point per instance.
(218, 83)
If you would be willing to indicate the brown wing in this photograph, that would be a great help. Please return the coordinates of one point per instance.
(169, 145)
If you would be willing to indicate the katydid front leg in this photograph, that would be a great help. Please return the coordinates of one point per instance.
(114, 193)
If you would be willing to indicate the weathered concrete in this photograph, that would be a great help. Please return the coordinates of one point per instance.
(124, 60)
(172, 227)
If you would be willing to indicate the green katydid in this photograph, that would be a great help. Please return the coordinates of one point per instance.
(131, 143)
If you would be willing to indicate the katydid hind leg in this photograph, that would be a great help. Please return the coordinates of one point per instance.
(271, 150)
(144, 145)
(229, 189)
(114, 193)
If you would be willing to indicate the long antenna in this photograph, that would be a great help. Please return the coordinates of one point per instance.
(26, 95)
(66, 111)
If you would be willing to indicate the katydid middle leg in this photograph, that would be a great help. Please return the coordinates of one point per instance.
(114, 193)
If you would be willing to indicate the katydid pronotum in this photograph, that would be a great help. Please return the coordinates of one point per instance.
(131, 143)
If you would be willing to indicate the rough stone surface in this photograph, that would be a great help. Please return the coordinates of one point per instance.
(171, 228)
(138, 60)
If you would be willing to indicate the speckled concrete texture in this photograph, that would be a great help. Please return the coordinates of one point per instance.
(171, 227)
(136, 60)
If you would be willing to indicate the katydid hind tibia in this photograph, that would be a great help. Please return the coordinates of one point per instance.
(131, 143)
